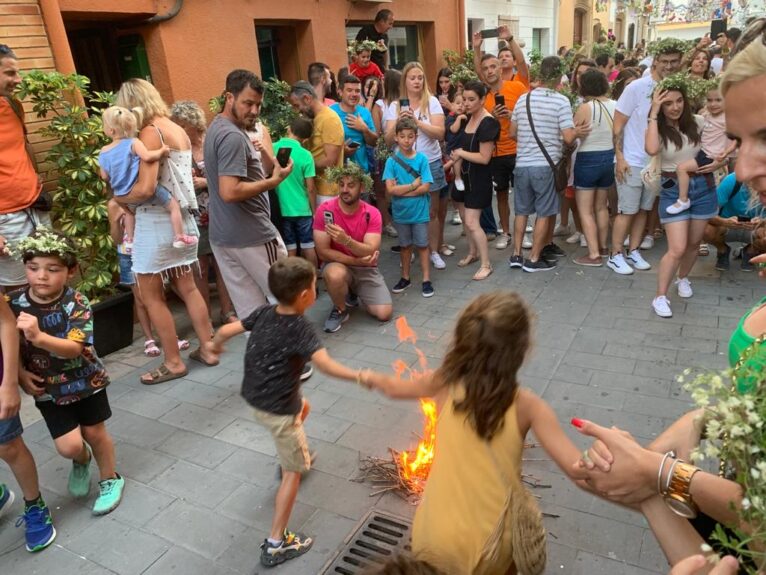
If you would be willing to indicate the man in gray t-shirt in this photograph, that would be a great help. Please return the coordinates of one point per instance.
(245, 242)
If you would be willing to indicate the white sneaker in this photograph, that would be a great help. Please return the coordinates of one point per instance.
(526, 242)
(679, 207)
(390, 231)
(437, 260)
(502, 241)
(529, 229)
(456, 221)
(647, 243)
(661, 306)
(637, 261)
(618, 264)
(561, 231)
(626, 243)
(684, 287)
(459, 185)
(574, 238)
(583, 241)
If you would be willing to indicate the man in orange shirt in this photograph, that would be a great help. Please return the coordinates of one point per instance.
(19, 184)
(504, 157)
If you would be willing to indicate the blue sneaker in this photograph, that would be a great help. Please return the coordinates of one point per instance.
(39, 529)
(6, 498)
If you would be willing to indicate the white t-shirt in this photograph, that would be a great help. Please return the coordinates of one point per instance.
(670, 157)
(635, 102)
(426, 145)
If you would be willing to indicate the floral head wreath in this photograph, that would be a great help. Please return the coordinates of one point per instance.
(359, 46)
(669, 46)
(693, 88)
(351, 170)
(44, 242)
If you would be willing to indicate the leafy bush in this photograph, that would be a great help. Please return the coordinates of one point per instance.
(79, 201)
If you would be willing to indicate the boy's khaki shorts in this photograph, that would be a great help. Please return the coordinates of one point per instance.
(289, 438)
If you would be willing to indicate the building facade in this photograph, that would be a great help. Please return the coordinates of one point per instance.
(533, 22)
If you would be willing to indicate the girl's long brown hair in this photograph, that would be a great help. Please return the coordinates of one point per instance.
(491, 340)
(686, 125)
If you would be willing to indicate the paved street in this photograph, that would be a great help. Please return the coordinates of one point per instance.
(201, 473)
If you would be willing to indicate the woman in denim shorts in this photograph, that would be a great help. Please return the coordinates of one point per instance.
(675, 134)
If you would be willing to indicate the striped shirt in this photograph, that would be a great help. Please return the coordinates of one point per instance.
(551, 113)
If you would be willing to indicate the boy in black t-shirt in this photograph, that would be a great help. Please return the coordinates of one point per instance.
(281, 342)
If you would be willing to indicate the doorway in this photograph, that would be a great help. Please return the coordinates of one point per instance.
(631, 36)
(278, 52)
(579, 27)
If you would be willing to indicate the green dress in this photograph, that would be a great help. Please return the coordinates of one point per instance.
(741, 343)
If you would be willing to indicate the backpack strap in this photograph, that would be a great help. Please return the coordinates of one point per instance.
(407, 168)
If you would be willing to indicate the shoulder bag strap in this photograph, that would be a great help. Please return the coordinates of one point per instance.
(18, 110)
(534, 133)
(409, 169)
(605, 110)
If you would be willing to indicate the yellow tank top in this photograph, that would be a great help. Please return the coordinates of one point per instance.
(465, 495)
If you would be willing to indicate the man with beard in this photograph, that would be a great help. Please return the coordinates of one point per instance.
(358, 127)
(347, 238)
(244, 240)
(326, 143)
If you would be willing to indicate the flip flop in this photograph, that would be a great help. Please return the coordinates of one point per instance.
(162, 374)
(196, 355)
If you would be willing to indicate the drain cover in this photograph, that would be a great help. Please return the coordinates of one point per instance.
(379, 536)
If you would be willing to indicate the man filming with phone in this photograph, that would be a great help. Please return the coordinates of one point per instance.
(358, 126)
(347, 234)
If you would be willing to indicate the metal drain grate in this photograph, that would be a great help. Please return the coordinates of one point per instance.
(379, 536)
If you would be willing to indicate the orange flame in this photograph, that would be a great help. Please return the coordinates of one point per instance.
(415, 466)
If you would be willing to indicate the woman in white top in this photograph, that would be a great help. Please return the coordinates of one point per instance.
(594, 164)
(427, 112)
(674, 133)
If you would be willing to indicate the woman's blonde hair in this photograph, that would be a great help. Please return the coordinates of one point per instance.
(143, 99)
(750, 56)
(188, 112)
(121, 120)
(424, 101)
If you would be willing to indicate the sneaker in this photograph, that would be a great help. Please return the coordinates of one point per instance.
(38, 531)
(526, 242)
(7, 497)
(554, 250)
(428, 289)
(396, 249)
(637, 261)
(491, 236)
(617, 263)
(684, 287)
(661, 306)
(678, 207)
(561, 231)
(647, 243)
(335, 320)
(587, 261)
(574, 238)
(529, 229)
(516, 262)
(307, 372)
(293, 545)
(184, 240)
(459, 185)
(538, 266)
(502, 241)
(352, 300)
(456, 221)
(110, 496)
(390, 231)
(722, 260)
(583, 241)
(79, 476)
(437, 261)
(745, 265)
(401, 285)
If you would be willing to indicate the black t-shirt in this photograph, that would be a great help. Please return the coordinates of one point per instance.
(368, 32)
(480, 175)
(278, 348)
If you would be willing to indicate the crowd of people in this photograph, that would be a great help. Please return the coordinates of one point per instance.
(642, 149)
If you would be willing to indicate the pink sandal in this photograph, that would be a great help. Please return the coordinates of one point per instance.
(151, 349)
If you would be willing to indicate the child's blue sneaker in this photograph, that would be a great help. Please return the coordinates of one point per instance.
(39, 531)
(6, 498)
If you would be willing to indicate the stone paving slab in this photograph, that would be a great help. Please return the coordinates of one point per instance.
(201, 475)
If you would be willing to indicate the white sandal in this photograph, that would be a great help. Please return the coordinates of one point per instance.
(151, 349)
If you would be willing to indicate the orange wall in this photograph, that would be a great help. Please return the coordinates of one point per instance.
(191, 54)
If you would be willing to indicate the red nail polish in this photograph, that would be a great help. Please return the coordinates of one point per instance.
(577, 422)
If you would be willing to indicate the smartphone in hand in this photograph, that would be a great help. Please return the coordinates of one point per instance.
(283, 156)
(493, 33)
(499, 100)
(328, 217)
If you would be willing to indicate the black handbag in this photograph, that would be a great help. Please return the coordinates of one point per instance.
(560, 168)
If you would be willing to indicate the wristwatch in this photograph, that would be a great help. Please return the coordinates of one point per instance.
(677, 496)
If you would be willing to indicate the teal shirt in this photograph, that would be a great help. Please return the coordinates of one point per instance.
(733, 204)
(409, 209)
(292, 192)
(360, 156)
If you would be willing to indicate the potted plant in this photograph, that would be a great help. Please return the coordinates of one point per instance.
(79, 200)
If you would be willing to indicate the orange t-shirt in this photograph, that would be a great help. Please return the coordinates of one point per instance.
(18, 180)
(511, 90)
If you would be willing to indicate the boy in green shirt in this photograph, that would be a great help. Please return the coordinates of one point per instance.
(297, 192)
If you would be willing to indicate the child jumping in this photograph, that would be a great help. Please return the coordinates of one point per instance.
(282, 341)
(119, 163)
(484, 418)
(408, 181)
(59, 365)
(716, 147)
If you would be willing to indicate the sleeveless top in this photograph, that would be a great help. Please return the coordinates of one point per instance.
(122, 166)
(176, 175)
(465, 494)
(742, 342)
(600, 137)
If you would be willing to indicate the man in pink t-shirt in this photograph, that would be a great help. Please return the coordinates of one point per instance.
(347, 234)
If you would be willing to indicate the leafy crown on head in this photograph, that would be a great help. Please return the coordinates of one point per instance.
(356, 46)
(669, 46)
(349, 169)
(44, 242)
